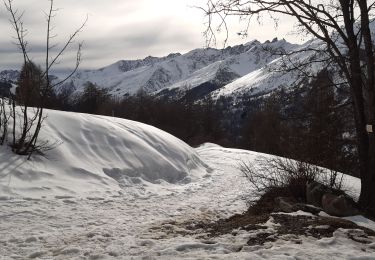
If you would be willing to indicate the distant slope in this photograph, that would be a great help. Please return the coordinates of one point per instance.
(98, 155)
(275, 74)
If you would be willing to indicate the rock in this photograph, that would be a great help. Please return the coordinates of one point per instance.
(31, 239)
(314, 193)
(338, 206)
(284, 204)
(308, 208)
(288, 205)
(37, 254)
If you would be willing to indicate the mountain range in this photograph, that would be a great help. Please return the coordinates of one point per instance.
(253, 68)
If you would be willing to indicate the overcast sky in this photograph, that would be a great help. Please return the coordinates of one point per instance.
(122, 29)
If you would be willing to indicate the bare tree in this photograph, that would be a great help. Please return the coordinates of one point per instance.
(4, 120)
(36, 84)
(344, 27)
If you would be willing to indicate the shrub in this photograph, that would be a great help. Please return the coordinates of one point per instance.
(271, 173)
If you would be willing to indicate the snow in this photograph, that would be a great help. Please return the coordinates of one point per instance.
(298, 213)
(199, 77)
(337, 247)
(359, 220)
(139, 211)
(362, 221)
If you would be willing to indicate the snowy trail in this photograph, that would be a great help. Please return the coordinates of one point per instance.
(144, 224)
(133, 223)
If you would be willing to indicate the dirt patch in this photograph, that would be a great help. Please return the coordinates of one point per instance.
(266, 203)
(284, 225)
(265, 223)
(316, 226)
(261, 238)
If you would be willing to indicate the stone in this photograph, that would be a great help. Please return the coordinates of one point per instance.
(314, 193)
(284, 204)
(288, 205)
(338, 206)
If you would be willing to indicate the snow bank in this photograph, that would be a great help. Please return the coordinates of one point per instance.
(98, 155)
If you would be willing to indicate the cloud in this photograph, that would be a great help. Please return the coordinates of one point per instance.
(118, 29)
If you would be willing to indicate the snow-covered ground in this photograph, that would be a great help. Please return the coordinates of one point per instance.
(136, 211)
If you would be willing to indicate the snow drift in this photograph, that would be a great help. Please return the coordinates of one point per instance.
(98, 155)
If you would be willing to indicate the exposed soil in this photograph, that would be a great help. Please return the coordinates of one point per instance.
(285, 225)
(316, 226)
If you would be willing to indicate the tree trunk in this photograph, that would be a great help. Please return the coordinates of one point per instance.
(366, 140)
(30, 148)
(362, 85)
(367, 163)
(366, 143)
(14, 121)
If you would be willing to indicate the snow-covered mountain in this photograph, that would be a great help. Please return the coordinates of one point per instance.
(176, 73)
(9, 75)
(277, 73)
(233, 71)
